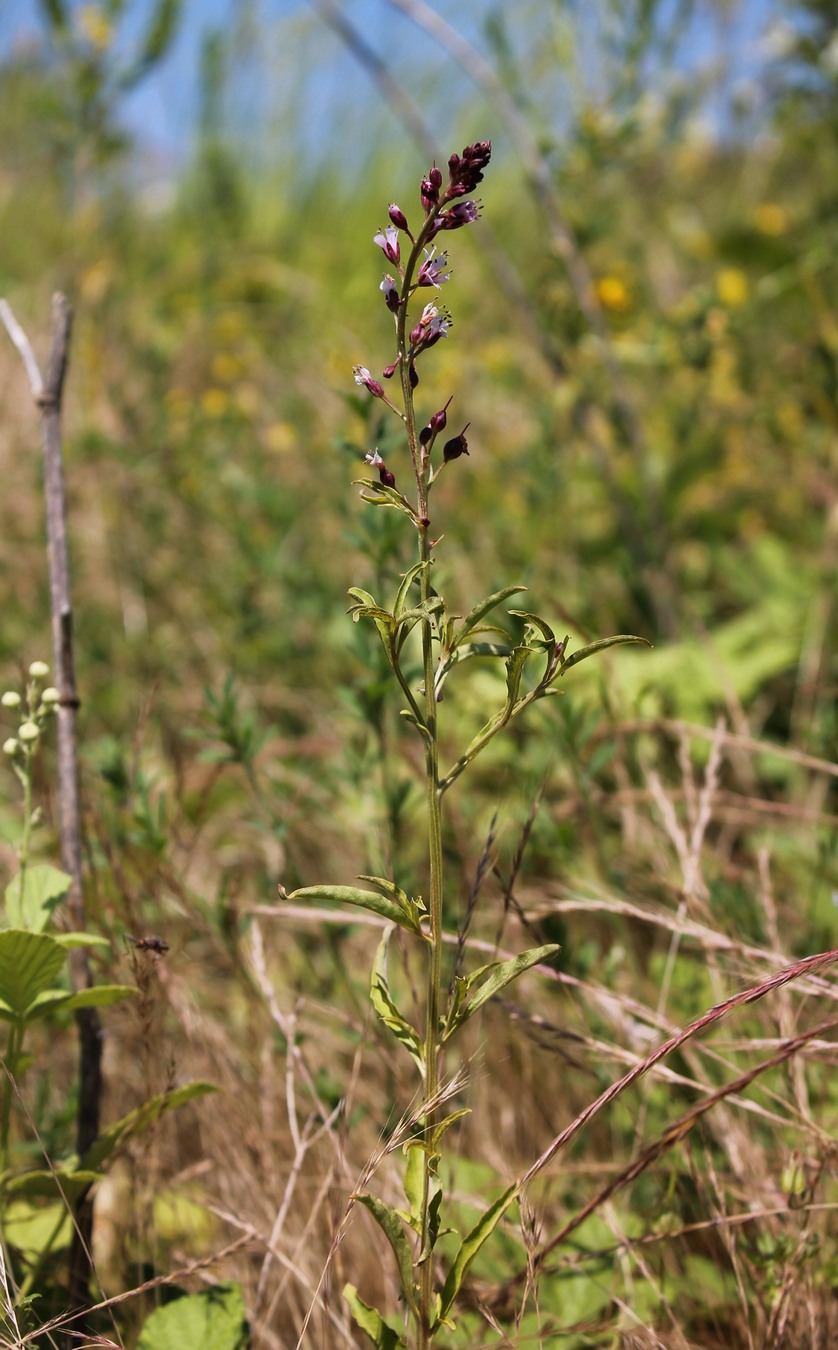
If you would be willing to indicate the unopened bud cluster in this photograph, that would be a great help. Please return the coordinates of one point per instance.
(421, 266)
(35, 707)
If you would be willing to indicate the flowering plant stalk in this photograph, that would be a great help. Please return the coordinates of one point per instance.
(430, 1294)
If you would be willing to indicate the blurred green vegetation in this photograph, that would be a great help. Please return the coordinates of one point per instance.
(654, 449)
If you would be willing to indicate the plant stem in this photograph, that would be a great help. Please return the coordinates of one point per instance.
(434, 810)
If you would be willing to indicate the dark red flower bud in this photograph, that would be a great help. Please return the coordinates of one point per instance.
(465, 172)
(389, 371)
(425, 435)
(439, 421)
(412, 375)
(429, 195)
(457, 446)
(387, 478)
(435, 177)
(397, 216)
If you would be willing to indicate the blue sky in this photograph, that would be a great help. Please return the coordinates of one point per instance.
(297, 59)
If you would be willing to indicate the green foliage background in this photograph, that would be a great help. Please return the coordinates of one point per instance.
(673, 475)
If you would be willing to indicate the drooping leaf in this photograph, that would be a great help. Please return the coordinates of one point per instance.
(515, 663)
(621, 640)
(369, 1320)
(141, 1119)
(490, 979)
(535, 621)
(44, 888)
(393, 1229)
(29, 964)
(212, 1319)
(470, 1246)
(386, 1009)
(413, 909)
(377, 494)
(382, 905)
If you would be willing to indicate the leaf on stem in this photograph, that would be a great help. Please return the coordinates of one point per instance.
(474, 991)
(548, 637)
(370, 1320)
(377, 494)
(515, 663)
(140, 1120)
(44, 888)
(621, 640)
(384, 905)
(481, 610)
(411, 575)
(386, 1009)
(391, 1225)
(470, 1246)
(29, 964)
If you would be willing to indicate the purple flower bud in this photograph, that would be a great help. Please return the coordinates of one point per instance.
(457, 446)
(425, 435)
(439, 421)
(412, 375)
(362, 376)
(398, 217)
(391, 294)
(388, 242)
(464, 173)
(389, 371)
(429, 195)
(432, 271)
(435, 178)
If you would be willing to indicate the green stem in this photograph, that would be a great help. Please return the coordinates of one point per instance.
(421, 470)
(14, 1044)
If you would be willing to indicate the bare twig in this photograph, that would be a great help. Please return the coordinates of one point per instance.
(48, 394)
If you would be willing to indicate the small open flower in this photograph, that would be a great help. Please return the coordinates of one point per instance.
(388, 242)
(376, 462)
(432, 271)
(461, 213)
(363, 377)
(433, 325)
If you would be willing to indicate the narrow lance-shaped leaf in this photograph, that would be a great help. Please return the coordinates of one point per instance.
(515, 663)
(621, 640)
(410, 576)
(538, 623)
(393, 1229)
(491, 979)
(383, 905)
(470, 1246)
(483, 608)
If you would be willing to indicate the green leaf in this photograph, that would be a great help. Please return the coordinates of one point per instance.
(489, 980)
(140, 1120)
(386, 1008)
(377, 494)
(547, 634)
(352, 895)
(29, 964)
(470, 1246)
(414, 1183)
(80, 940)
(515, 663)
(44, 888)
(97, 996)
(408, 579)
(213, 1319)
(393, 1229)
(434, 1210)
(482, 609)
(621, 640)
(413, 910)
(43, 1184)
(369, 1320)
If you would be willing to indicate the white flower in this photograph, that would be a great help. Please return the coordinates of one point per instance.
(39, 670)
(28, 732)
(10, 699)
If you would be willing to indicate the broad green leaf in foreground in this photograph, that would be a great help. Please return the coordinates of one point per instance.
(29, 964)
(44, 888)
(213, 1319)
